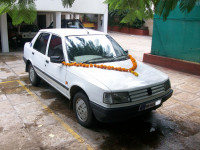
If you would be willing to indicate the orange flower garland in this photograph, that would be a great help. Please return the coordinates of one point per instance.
(131, 70)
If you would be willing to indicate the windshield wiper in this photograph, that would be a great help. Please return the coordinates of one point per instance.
(107, 59)
(96, 60)
(120, 57)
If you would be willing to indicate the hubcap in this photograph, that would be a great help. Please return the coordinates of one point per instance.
(32, 74)
(81, 110)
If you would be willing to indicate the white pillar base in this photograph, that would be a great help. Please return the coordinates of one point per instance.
(77, 16)
(67, 16)
(4, 33)
(105, 22)
(99, 23)
(72, 16)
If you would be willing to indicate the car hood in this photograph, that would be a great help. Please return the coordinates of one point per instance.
(124, 81)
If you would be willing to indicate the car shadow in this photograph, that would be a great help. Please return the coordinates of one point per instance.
(144, 132)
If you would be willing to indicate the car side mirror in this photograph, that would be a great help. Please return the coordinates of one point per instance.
(126, 51)
(56, 59)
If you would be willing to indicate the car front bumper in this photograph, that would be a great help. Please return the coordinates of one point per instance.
(103, 114)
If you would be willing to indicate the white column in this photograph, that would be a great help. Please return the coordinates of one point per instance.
(67, 16)
(99, 23)
(57, 20)
(105, 22)
(51, 18)
(4, 33)
(77, 16)
(48, 19)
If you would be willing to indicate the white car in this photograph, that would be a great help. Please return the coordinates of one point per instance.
(26, 32)
(95, 74)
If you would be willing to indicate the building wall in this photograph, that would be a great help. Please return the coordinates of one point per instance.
(79, 6)
(149, 24)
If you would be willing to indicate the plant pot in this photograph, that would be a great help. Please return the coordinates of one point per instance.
(139, 31)
(115, 28)
(125, 30)
(129, 30)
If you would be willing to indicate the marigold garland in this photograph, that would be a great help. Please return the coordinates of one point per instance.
(131, 70)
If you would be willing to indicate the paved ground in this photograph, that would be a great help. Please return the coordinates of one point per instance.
(40, 118)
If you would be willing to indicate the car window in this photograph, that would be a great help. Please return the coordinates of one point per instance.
(55, 47)
(41, 43)
(90, 47)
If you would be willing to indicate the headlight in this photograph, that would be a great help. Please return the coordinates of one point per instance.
(116, 98)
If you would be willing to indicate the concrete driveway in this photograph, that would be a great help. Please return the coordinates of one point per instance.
(40, 117)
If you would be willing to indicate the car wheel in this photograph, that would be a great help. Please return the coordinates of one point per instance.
(33, 77)
(83, 110)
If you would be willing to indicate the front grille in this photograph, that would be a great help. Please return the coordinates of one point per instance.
(149, 92)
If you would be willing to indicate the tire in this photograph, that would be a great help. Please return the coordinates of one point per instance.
(83, 110)
(33, 77)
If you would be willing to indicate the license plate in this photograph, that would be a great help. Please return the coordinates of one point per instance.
(147, 106)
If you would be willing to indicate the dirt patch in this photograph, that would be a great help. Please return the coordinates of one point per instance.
(5, 70)
(6, 58)
(188, 128)
(1, 129)
(43, 86)
(25, 79)
(10, 78)
(49, 94)
(9, 85)
(29, 125)
(62, 106)
(14, 90)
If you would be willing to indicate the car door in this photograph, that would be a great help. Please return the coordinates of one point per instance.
(56, 71)
(39, 51)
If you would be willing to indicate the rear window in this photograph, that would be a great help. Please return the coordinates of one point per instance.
(28, 28)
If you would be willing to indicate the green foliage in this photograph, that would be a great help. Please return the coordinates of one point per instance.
(24, 10)
(114, 19)
(67, 3)
(136, 9)
(164, 7)
(23, 13)
(19, 10)
(144, 9)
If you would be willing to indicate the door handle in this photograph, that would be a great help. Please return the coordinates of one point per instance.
(47, 61)
(33, 53)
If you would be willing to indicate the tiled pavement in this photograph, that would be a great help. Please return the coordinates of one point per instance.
(28, 126)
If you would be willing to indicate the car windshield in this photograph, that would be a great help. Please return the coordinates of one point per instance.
(94, 48)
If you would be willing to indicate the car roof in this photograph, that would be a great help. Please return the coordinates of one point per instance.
(70, 32)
